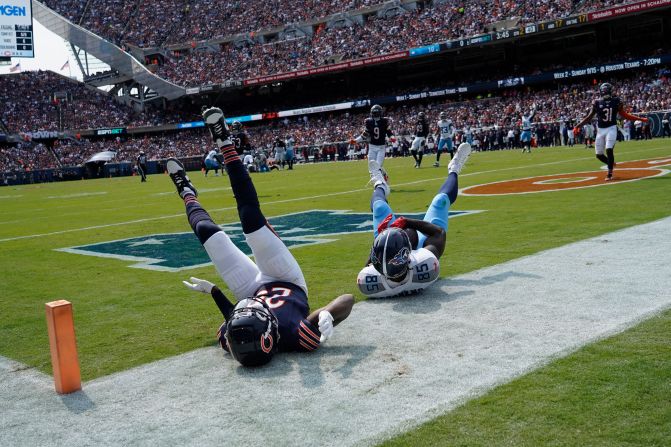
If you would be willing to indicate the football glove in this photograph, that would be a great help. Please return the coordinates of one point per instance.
(325, 325)
(199, 285)
(400, 222)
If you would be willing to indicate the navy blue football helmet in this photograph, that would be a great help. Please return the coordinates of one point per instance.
(390, 254)
(376, 112)
(252, 332)
(236, 126)
(606, 90)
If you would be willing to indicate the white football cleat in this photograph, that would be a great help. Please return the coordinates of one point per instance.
(459, 160)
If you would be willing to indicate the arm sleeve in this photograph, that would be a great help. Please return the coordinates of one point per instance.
(308, 336)
(224, 305)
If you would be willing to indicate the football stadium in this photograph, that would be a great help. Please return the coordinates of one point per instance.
(315, 222)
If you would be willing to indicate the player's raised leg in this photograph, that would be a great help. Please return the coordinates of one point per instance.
(378, 203)
(235, 268)
(274, 260)
(439, 209)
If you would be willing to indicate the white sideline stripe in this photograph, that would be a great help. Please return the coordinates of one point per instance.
(172, 216)
(77, 195)
(392, 365)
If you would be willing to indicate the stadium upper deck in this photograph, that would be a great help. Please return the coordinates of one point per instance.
(162, 22)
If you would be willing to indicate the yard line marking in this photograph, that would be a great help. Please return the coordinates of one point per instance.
(298, 199)
(78, 195)
(375, 378)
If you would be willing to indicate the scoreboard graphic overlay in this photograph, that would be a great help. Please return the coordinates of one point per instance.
(16, 29)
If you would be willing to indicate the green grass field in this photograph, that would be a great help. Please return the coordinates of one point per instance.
(128, 316)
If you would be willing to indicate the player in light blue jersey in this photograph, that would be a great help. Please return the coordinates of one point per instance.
(290, 155)
(525, 136)
(446, 133)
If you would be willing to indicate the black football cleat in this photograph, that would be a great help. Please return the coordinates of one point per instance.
(179, 178)
(216, 122)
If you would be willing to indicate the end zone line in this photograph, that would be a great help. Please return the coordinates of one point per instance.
(333, 194)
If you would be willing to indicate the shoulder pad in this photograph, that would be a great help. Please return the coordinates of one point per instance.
(425, 267)
(371, 282)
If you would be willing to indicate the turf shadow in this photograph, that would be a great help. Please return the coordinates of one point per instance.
(339, 358)
(430, 301)
(489, 280)
(77, 402)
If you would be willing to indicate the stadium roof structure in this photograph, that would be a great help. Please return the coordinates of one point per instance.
(102, 156)
(107, 52)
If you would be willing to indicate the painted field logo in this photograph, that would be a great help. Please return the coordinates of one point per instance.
(178, 251)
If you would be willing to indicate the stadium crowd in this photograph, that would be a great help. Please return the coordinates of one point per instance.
(376, 36)
(28, 104)
(158, 22)
(162, 22)
(494, 122)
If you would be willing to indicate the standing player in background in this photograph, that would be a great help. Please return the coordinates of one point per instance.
(525, 136)
(666, 127)
(589, 135)
(606, 110)
(468, 134)
(376, 130)
(421, 132)
(280, 152)
(240, 138)
(142, 166)
(213, 162)
(272, 311)
(405, 253)
(290, 155)
(445, 133)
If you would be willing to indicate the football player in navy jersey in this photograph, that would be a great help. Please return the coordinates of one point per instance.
(606, 109)
(405, 253)
(239, 137)
(272, 311)
(421, 132)
(377, 128)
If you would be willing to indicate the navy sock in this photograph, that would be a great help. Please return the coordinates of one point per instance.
(249, 209)
(602, 158)
(611, 159)
(201, 222)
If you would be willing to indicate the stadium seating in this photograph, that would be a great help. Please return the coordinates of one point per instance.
(642, 91)
(28, 104)
(159, 23)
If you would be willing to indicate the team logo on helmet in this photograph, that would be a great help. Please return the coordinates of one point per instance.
(401, 257)
(267, 342)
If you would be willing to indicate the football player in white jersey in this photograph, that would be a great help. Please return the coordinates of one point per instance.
(446, 133)
(525, 136)
(405, 253)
